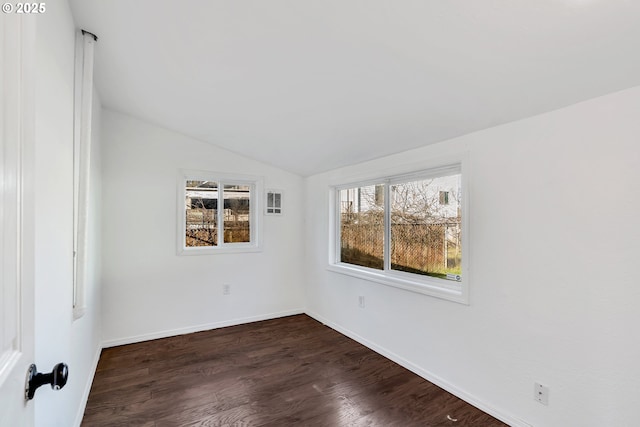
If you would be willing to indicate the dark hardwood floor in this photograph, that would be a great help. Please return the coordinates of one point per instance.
(291, 371)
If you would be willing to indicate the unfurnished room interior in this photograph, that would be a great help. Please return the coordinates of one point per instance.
(320, 213)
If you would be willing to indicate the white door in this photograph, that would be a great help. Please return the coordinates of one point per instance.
(17, 35)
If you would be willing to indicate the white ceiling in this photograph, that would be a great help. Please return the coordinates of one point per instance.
(311, 85)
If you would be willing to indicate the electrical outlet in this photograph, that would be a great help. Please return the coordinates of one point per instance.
(361, 301)
(226, 289)
(541, 393)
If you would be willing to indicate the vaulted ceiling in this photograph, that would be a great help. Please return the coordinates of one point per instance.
(311, 85)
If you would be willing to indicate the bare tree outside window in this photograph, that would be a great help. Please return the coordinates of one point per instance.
(426, 230)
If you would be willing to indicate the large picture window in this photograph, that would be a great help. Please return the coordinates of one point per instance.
(218, 213)
(405, 231)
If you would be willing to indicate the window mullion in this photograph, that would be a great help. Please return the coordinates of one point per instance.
(338, 230)
(253, 214)
(220, 214)
(386, 253)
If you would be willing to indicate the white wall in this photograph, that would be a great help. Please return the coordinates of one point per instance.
(58, 337)
(554, 237)
(149, 291)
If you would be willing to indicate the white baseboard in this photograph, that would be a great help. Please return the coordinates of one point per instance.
(429, 376)
(87, 388)
(197, 328)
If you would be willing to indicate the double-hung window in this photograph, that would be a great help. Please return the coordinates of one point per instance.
(218, 213)
(405, 231)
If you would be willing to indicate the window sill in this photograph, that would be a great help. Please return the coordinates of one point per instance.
(435, 287)
(219, 250)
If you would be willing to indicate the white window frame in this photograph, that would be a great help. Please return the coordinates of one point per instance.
(433, 286)
(255, 212)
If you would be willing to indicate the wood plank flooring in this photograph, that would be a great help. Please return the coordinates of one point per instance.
(291, 371)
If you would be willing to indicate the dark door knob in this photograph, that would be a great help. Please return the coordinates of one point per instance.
(57, 378)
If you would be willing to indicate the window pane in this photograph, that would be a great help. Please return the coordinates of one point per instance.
(362, 226)
(426, 227)
(201, 204)
(236, 213)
